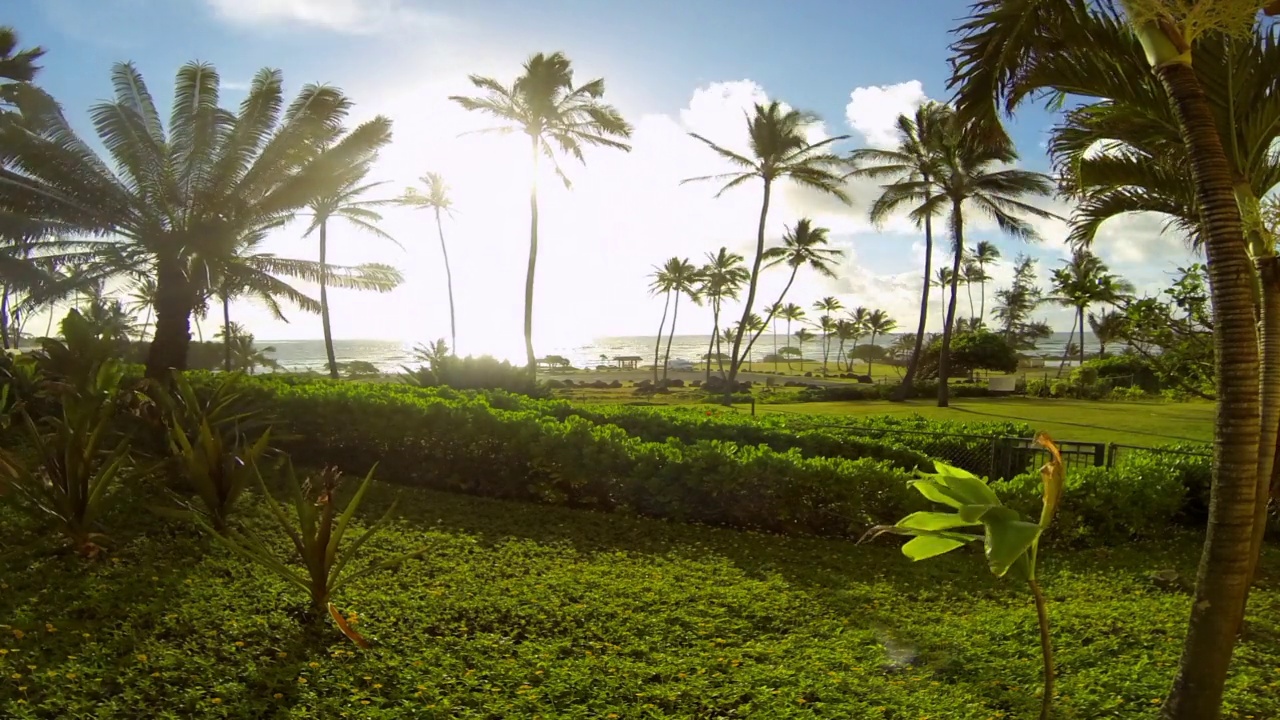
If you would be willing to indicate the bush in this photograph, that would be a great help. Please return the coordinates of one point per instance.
(1146, 493)
(474, 373)
(552, 453)
(1123, 371)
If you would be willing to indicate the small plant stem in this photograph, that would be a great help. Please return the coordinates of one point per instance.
(1046, 647)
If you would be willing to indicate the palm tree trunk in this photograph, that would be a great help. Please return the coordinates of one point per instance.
(761, 329)
(942, 302)
(226, 332)
(448, 278)
(48, 326)
(840, 357)
(533, 262)
(982, 294)
(904, 390)
(1081, 323)
(1225, 564)
(142, 337)
(1269, 276)
(774, 318)
(173, 320)
(944, 357)
(324, 302)
(675, 315)
(735, 361)
(870, 355)
(968, 288)
(657, 349)
(715, 334)
(788, 342)
(4, 315)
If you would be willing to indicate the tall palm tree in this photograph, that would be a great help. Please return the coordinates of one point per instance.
(180, 197)
(344, 203)
(802, 246)
(684, 279)
(722, 278)
(772, 312)
(780, 149)
(917, 158)
(1107, 327)
(942, 281)
(661, 283)
(16, 66)
(802, 336)
(984, 253)
(142, 296)
(878, 323)
(791, 312)
(436, 199)
(827, 324)
(972, 274)
(845, 332)
(1084, 281)
(1108, 54)
(858, 319)
(970, 177)
(543, 103)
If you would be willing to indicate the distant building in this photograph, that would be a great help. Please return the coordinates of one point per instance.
(628, 362)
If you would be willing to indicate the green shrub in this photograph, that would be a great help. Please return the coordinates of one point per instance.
(1102, 506)
(1122, 371)
(442, 439)
(472, 373)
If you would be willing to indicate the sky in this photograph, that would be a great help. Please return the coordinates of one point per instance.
(670, 67)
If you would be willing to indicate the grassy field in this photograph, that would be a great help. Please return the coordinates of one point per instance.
(1129, 423)
(519, 611)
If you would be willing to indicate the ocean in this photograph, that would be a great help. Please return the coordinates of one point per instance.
(390, 355)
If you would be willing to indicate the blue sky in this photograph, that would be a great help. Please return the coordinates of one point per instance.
(670, 66)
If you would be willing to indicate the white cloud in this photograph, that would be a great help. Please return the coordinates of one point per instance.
(350, 16)
(873, 111)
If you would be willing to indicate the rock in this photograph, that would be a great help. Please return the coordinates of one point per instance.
(677, 382)
(615, 384)
(864, 379)
(555, 384)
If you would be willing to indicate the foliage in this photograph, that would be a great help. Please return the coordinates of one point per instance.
(978, 349)
(209, 448)
(1015, 305)
(356, 369)
(469, 373)
(73, 468)
(316, 537)
(680, 622)
(1174, 332)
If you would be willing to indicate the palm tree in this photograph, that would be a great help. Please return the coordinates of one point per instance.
(972, 274)
(780, 149)
(792, 313)
(802, 336)
(1107, 327)
(879, 323)
(858, 319)
(803, 246)
(181, 198)
(436, 199)
(684, 278)
(969, 177)
(1084, 281)
(827, 324)
(754, 324)
(772, 312)
(543, 103)
(845, 331)
(1095, 50)
(984, 254)
(16, 66)
(942, 281)
(345, 204)
(917, 158)
(142, 296)
(722, 277)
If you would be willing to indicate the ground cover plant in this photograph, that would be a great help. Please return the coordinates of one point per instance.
(524, 611)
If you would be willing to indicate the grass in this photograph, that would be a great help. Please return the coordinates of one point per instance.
(1129, 423)
(519, 611)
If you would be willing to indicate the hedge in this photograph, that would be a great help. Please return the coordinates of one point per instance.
(464, 442)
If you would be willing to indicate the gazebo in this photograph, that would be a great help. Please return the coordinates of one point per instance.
(628, 362)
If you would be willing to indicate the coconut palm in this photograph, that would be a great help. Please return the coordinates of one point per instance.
(1088, 49)
(791, 313)
(182, 196)
(1107, 327)
(917, 158)
(722, 278)
(16, 66)
(802, 246)
(984, 253)
(802, 336)
(142, 296)
(970, 178)
(543, 103)
(772, 312)
(972, 274)
(780, 149)
(858, 319)
(435, 198)
(344, 204)
(827, 324)
(942, 281)
(676, 277)
(1084, 281)
(878, 323)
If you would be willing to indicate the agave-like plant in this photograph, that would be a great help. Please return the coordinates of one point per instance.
(317, 532)
(1011, 543)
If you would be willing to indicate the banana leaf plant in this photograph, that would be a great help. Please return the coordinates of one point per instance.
(1011, 543)
(316, 532)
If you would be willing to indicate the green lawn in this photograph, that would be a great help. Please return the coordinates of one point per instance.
(1130, 423)
(519, 611)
